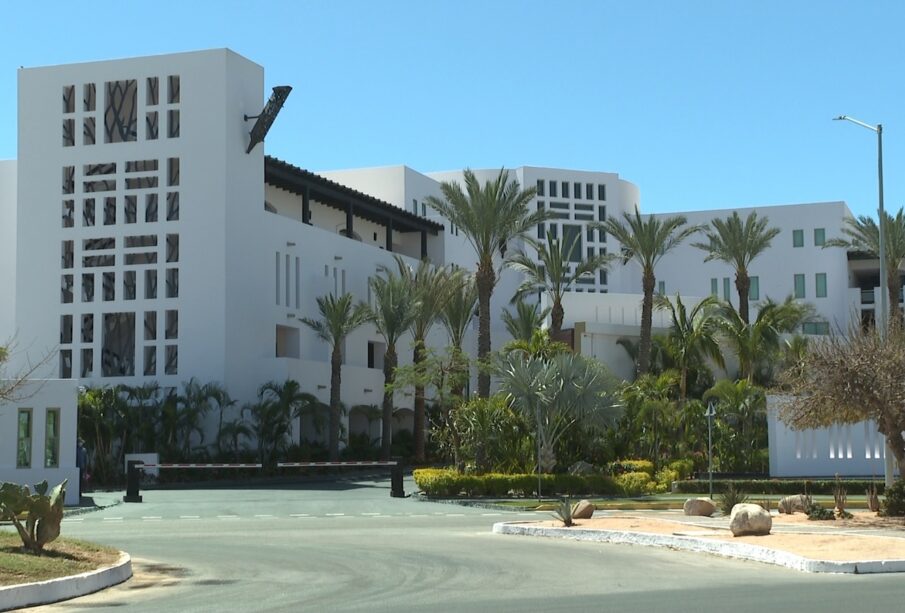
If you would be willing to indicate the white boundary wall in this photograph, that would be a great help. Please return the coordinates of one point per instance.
(849, 450)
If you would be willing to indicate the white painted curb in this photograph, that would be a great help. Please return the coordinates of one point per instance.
(741, 551)
(55, 590)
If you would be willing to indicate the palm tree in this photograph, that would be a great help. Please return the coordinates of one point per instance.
(289, 400)
(456, 315)
(339, 316)
(526, 320)
(392, 314)
(863, 234)
(756, 344)
(649, 400)
(553, 271)
(193, 404)
(742, 425)
(490, 217)
(692, 336)
(647, 240)
(431, 286)
(737, 244)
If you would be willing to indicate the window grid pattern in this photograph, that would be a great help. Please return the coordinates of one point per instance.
(111, 304)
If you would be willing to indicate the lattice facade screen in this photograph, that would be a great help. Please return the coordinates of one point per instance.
(120, 233)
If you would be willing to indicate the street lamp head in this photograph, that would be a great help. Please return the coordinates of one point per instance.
(840, 118)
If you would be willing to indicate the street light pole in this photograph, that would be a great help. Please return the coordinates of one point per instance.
(884, 293)
(710, 413)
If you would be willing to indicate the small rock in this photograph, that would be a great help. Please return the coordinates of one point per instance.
(582, 468)
(703, 507)
(791, 504)
(583, 510)
(750, 519)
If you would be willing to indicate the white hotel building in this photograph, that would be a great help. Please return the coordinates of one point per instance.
(146, 244)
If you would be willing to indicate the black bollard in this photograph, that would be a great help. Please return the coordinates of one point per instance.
(396, 489)
(132, 475)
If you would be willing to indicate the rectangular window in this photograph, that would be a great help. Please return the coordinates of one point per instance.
(821, 284)
(415, 206)
(297, 282)
(602, 274)
(129, 285)
(66, 282)
(150, 208)
(150, 284)
(65, 329)
(172, 283)
(173, 89)
(118, 345)
(540, 187)
(726, 288)
(816, 327)
(88, 328)
(171, 355)
(591, 252)
(553, 189)
(570, 235)
(150, 367)
(109, 211)
(590, 234)
(66, 364)
(52, 438)
(88, 212)
(799, 286)
(601, 192)
(173, 248)
(554, 231)
(172, 206)
(150, 325)
(715, 287)
(565, 189)
(661, 288)
(69, 98)
(589, 191)
(819, 237)
(130, 209)
(109, 281)
(87, 363)
(798, 238)
(576, 190)
(601, 214)
(121, 111)
(173, 124)
(754, 288)
(172, 325)
(23, 439)
(87, 287)
(541, 231)
(68, 213)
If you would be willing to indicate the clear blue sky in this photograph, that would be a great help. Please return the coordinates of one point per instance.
(701, 104)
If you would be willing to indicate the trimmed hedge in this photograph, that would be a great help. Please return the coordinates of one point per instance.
(785, 487)
(620, 467)
(447, 483)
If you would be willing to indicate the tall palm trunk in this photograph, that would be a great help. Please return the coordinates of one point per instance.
(336, 364)
(556, 317)
(647, 308)
(418, 357)
(485, 279)
(389, 375)
(743, 286)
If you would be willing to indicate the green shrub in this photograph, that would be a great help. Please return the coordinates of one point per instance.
(446, 483)
(563, 511)
(635, 483)
(894, 502)
(621, 467)
(664, 479)
(684, 468)
(818, 512)
(731, 497)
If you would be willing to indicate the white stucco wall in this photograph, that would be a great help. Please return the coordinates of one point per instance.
(7, 249)
(39, 397)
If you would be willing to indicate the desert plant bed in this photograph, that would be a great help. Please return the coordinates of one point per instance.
(61, 558)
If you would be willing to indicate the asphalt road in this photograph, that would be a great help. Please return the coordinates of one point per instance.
(348, 546)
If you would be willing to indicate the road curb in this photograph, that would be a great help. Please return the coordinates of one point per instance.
(64, 588)
(742, 551)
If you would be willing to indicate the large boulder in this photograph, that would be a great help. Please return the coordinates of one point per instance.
(792, 504)
(702, 507)
(582, 468)
(583, 510)
(750, 519)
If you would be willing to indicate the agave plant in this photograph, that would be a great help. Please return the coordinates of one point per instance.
(564, 511)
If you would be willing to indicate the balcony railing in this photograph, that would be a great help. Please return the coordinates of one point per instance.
(867, 296)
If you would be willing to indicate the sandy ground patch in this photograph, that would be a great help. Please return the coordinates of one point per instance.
(836, 542)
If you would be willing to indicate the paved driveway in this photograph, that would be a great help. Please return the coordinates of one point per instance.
(348, 546)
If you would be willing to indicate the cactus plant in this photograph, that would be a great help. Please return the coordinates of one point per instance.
(44, 512)
(563, 511)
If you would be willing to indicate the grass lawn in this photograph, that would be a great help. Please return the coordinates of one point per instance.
(61, 558)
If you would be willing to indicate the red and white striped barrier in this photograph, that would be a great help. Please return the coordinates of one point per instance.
(199, 466)
(308, 464)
